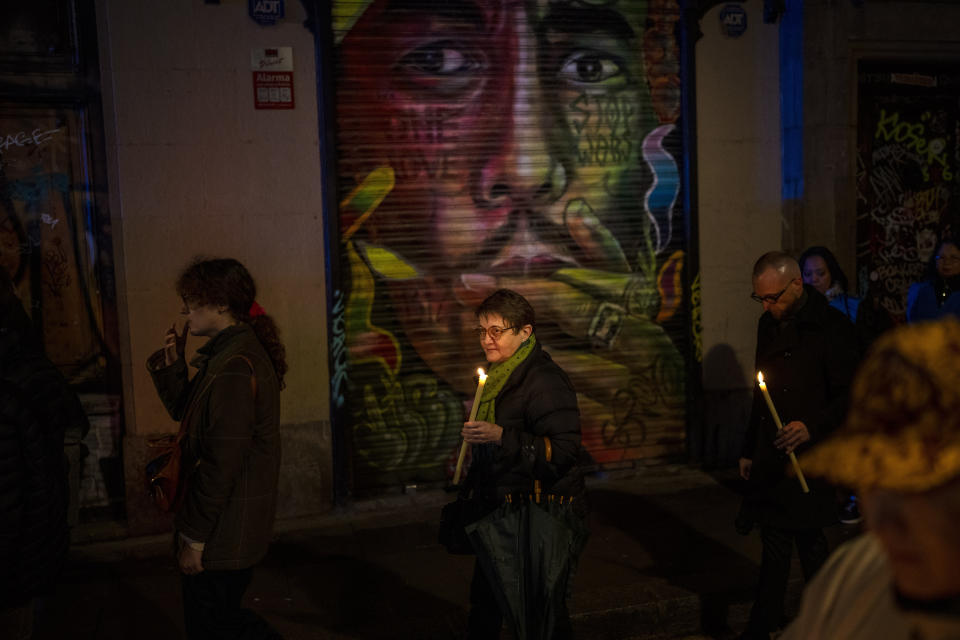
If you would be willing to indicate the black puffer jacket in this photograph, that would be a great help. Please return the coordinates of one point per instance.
(537, 400)
(36, 407)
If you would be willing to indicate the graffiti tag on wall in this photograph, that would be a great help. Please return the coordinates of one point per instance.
(908, 153)
(47, 244)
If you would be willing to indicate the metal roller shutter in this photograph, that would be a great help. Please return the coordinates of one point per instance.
(484, 144)
(908, 151)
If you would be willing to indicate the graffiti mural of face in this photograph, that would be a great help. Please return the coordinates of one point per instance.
(517, 133)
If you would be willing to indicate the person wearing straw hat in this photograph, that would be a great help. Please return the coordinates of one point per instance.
(900, 448)
(807, 351)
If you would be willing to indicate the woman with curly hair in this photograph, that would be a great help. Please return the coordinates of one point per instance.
(231, 449)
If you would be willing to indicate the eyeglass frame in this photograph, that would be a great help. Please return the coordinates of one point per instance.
(772, 298)
(482, 333)
(948, 259)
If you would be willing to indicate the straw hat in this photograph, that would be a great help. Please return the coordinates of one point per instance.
(903, 428)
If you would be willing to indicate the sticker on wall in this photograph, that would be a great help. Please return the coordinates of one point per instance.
(265, 12)
(272, 77)
(733, 21)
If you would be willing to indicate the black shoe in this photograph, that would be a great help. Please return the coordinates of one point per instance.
(850, 514)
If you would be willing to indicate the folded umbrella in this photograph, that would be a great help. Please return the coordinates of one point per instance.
(528, 551)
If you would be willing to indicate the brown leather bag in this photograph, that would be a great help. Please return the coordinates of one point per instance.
(166, 483)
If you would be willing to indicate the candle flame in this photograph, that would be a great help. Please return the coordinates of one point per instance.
(482, 374)
(760, 377)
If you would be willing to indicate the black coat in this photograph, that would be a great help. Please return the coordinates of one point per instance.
(36, 407)
(808, 363)
(537, 400)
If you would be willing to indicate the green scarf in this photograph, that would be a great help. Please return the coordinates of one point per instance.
(498, 376)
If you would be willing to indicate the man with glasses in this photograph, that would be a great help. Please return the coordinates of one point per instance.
(807, 352)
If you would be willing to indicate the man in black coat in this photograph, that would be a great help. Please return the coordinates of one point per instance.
(807, 352)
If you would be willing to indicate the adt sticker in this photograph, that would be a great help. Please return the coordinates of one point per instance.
(266, 12)
(733, 20)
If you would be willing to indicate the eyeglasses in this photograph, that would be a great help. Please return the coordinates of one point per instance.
(771, 298)
(948, 259)
(493, 332)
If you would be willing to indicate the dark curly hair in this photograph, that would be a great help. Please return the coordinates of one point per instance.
(226, 282)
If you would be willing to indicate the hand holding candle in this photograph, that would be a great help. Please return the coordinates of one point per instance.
(473, 416)
(776, 421)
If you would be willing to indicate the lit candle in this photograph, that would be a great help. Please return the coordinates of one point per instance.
(473, 416)
(776, 421)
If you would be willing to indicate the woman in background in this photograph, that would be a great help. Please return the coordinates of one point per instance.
(822, 272)
(939, 294)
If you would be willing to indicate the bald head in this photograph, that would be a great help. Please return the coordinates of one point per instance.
(783, 264)
(777, 284)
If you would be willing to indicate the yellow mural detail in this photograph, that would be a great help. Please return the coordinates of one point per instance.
(367, 341)
(670, 286)
(696, 325)
(345, 15)
(387, 264)
(366, 197)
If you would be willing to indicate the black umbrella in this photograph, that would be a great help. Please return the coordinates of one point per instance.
(528, 550)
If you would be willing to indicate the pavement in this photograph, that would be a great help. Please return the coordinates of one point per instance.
(663, 562)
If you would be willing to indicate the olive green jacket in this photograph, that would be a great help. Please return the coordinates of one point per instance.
(231, 452)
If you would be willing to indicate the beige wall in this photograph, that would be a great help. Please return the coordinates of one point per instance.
(738, 164)
(195, 169)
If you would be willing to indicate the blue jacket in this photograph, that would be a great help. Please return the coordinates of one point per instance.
(922, 303)
(847, 305)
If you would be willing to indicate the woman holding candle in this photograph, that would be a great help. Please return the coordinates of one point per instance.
(527, 429)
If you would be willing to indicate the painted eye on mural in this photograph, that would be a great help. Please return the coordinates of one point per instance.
(592, 67)
(439, 59)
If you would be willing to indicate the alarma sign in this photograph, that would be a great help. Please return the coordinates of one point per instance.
(272, 78)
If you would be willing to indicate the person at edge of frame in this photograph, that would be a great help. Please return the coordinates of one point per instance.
(900, 449)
